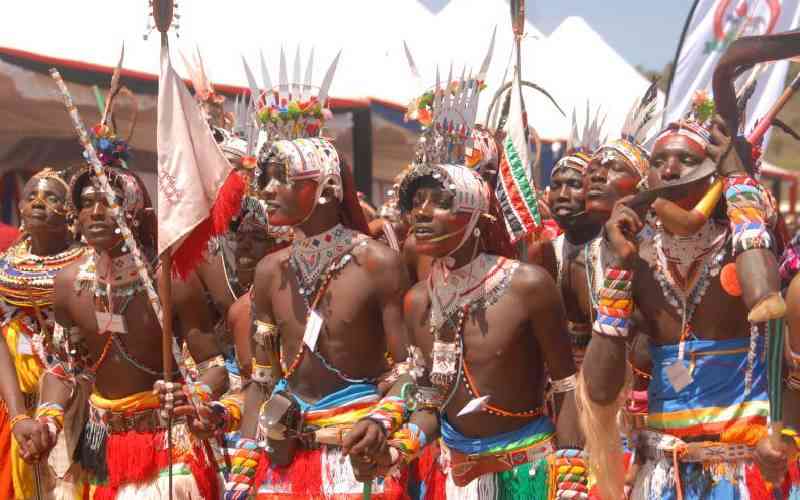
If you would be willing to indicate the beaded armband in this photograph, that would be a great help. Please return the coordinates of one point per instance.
(198, 391)
(429, 398)
(244, 464)
(565, 384)
(261, 374)
(265, 332)
(208, 364)
(571, 474)
(390, 412)
(747, 212)
(228, 411)
(615, 304)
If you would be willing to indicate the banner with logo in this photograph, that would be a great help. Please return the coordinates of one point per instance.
(711, 27)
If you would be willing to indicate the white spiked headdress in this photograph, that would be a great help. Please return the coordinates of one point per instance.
(447, 112)
(582, 142)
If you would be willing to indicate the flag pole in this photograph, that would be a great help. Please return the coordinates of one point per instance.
(165, 292)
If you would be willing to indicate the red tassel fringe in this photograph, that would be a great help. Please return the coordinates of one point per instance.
(792, 479)
(191, 252)
(430, 473)
(135, 457)
(756, 485)
(204, 470)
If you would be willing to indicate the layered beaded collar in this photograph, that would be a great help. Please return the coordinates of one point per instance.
(311, 256)
(25, 277)
(685, 265)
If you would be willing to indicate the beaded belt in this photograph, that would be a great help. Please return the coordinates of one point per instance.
(655, 445)
(143, 421)
(466, 467)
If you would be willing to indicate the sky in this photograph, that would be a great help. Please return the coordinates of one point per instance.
(644, 32)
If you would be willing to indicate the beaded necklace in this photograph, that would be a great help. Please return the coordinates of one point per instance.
(309, 257)
(326, 276)
(26, 280)
(448, 356)
(685, 266)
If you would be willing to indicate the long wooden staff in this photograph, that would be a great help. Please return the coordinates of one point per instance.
(165, 290)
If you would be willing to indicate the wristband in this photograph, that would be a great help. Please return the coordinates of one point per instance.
(51, 412)
(19, 418)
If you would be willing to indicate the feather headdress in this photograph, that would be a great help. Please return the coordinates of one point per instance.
(583, 141)
(636, 132)
(447, 112)
(112, 150)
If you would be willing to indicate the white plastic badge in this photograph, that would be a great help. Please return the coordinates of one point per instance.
(313, 327)
(678, 375)
(474, 406)
(24, 346)
(108, 322)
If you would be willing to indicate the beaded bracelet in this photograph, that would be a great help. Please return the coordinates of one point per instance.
(261, 374)
(244, 463)
(263, 331)
(615, 304)
(565, 384)
(216, 361)
(389, 412)
(19, 418)
(409, 440)
(199, 390)
(51, 412)
(571, 474)
(791, 433)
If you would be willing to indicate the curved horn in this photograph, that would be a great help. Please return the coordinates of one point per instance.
(743, 53)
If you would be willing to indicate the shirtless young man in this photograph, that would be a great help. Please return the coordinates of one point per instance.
(113, 345)
(484, 322)
(695, 438)
(327, 309)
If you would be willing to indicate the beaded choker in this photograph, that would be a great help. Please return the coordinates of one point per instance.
(309, 257)
(27, 279)
(684, 266)
(481, 282)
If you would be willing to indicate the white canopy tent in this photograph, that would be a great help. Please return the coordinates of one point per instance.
(575, 64)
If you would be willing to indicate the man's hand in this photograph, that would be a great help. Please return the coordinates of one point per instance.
(367, 448)
(621, 230)
(35, 438)
(772, 457)
(172, 398)
(367, 468)
(721, 151)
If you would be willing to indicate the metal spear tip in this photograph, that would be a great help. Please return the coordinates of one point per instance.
(163, 12)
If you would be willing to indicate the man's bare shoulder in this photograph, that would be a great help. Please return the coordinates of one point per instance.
(532, 280)
(417, 298)
(66, 277)
(378, 257)
(271, 264)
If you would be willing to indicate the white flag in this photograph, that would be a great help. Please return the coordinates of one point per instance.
(192, 174)
(714, 24)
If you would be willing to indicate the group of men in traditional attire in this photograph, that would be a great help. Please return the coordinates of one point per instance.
(417, 355)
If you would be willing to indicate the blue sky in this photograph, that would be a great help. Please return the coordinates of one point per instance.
(644, 32)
